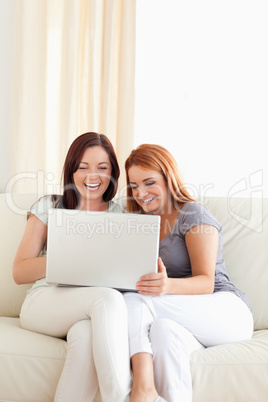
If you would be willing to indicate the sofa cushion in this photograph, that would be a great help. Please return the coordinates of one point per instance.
(13, 210)
(30, 363)
(242, 365)
(245, 237)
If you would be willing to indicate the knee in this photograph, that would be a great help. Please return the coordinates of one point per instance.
(113, 299)
(164, 332)
(133, 299)
(80, 330)
(177, 339)
(129, 296)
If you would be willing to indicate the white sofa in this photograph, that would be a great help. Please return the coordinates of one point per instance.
(30, 363)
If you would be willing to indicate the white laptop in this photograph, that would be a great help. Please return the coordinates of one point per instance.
(101, 248)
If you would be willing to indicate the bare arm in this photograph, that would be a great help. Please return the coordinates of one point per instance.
(202, 243)
(28, 266)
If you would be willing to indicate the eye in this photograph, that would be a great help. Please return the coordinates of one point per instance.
(103, 168)
(151, 183)
(133, 187)
(82, 168)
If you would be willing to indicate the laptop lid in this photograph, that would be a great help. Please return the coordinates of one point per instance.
(108, 249)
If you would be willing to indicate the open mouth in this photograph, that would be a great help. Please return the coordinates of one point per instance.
(149, 200)
(92, 186)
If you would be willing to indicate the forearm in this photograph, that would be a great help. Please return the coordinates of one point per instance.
(29, 270)
(199, 284)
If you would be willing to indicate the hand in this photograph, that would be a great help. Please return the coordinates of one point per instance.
(154, 284)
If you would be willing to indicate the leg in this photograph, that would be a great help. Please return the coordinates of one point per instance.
(213, 319)
(79, 366)
(172, 345)
(54, 310)
(139, 323)
(110, 347)
(143, 388)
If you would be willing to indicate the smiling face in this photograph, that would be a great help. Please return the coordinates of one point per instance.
(149, 189)
(92, 177)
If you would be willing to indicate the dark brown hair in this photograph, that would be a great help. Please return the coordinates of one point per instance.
(73, 158)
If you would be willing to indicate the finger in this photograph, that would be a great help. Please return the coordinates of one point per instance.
(149, 284)
(152, 277)
(151, 291)
(149, 288)
(149, 281)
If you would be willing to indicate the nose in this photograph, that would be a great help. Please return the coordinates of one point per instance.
(92, 174)
(142, 191)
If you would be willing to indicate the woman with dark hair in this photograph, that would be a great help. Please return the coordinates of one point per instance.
(190, 303)
(93, 319)
(71, 194)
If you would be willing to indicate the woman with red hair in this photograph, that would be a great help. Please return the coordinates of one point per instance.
(190, 303)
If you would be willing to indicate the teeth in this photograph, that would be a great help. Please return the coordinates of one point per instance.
(92, 186)
(148, 200)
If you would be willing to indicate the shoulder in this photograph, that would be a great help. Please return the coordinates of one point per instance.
(193, 214)
(117, 205)
(193, 208)
(41, 207)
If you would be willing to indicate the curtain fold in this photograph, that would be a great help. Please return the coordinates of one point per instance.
(74, 71)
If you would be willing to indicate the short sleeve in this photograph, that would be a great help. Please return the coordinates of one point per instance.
(41, 207)
(194, 214)
(117, 205)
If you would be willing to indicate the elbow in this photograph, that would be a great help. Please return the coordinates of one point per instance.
(16, 279)
(16, 274)
(211, 290)
(210, 285)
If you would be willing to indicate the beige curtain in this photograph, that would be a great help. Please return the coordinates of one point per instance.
(74, 66)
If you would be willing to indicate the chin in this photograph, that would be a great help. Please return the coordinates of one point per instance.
(149, 209)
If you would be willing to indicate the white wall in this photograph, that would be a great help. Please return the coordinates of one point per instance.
(202, 90)
(7, 21)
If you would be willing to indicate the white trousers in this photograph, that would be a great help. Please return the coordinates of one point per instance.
(171, 327)
(95, 323)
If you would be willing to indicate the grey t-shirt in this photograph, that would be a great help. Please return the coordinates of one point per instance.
(174, 254)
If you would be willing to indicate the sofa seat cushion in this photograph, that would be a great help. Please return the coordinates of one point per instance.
(30, 363)
(232, 372)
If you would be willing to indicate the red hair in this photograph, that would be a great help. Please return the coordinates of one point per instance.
(155, 157)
